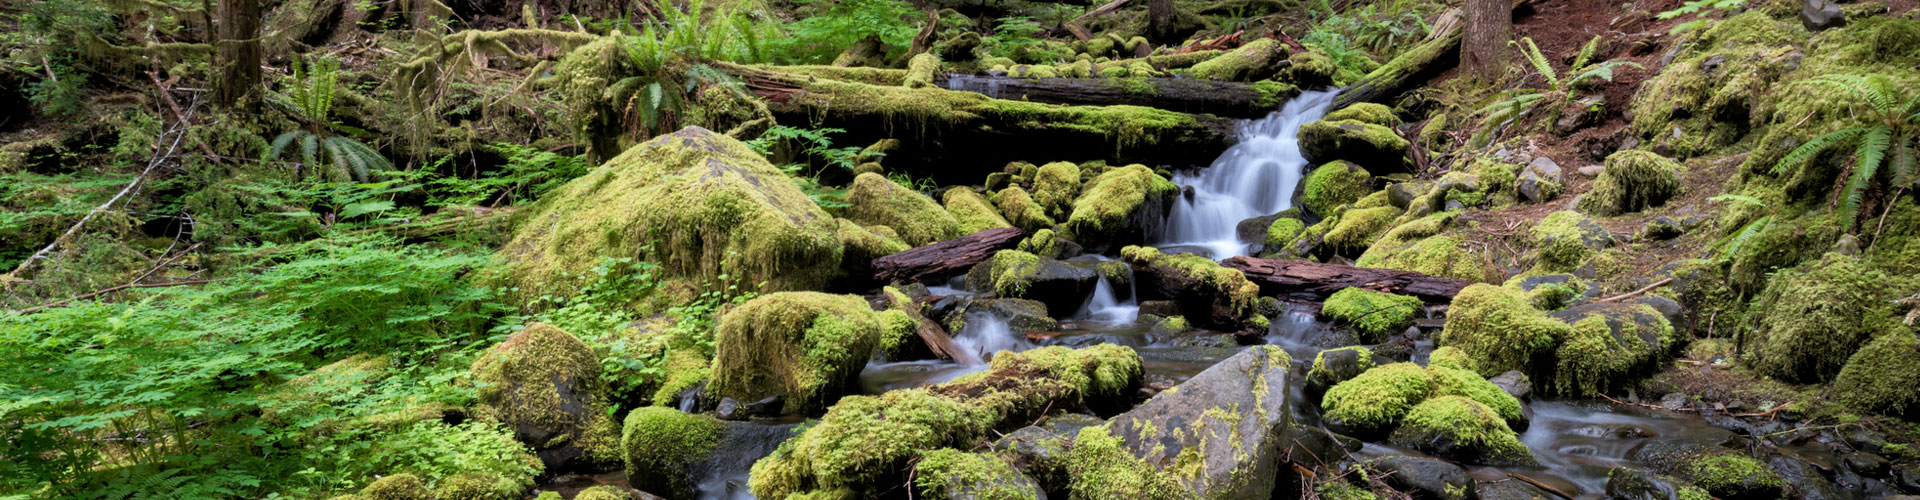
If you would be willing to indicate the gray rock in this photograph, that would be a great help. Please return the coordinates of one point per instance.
(1675, 313)
(1160, 308)
(1866, 464)
(1254, 230)
(1516, 384)
(1674, 400)
(1335, 366)
(1453, 205)
(1661, 228)
(1625, 483)
(1425, 478)
(1592, 170)
(1062, 286)
(1806, 480)
(1509, 489)
(1541, 181)
(1233, 417)
(1401, 194)
(1314, 446)
(1819, 15)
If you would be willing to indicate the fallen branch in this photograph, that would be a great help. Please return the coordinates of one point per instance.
(1537, 484)
(1644, 405)
(1635, 293)
(180, 133)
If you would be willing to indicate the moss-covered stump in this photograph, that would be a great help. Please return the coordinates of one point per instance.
(1863, 382)
(1257, 60)
(1565, 239)
(950, 474)
(1208, 294)
(972, 210)
(805, 347)
(1607, 346)
(1459, 428)
(1017, 274)
(1812, 318)
(1373, 403)
(700, 203)
(1500, 329)
(864, 443)
(1634, 180)
(1334, 184)
(1373, 315)
(1121, 206)
(1219, 435)
(1730, 476)
(878, 201)
(662, 447)
(1374, 146)
(545, 384)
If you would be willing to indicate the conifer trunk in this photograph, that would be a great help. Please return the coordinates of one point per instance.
(239, 54)
(1484, 51)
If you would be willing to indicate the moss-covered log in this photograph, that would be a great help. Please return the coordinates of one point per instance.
(1440, 51)
(1315, 281)
(1186, 95)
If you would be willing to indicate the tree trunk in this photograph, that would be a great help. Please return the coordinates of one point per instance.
(1186, 95)
(238, 48)
(945, 259)
(1484, 51)
(1314, 281)
(1159, 20)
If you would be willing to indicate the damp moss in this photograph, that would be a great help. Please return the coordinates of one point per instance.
(1320, 370)
(1284, 230)
(601, 492)
(1601, 350)
(521, 383)
(1365, 112)
(397, 487)
(974, 475)
(860, 245)
(1353, 141)
(683, 369)
(1564, 240)
(1374, 315)
(478, 486)
(1334, 184)
(1020, 209)
(1634, 180)
(865, 439)
(921, 69)
(1009, 272)
(804, 346)
(1451, 381)
(878, 201)
(1727, 475)
(662, 445)
(1020, 386)
(1375, 401)
(1115, 200)
(1099, 467)
(1055, 188)
(1444, 256)
(1863, 382)
(1358, 228)
(1249, 62)
(1043, 243)
(1459, 428)
(1499, 328)
(973, 211)
(1452, 357)
(1240, 294)
(1810, 319)
(1717, 87)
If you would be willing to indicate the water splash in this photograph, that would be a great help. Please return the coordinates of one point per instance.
(1106, 307)
(1255, 177)
(987, 333)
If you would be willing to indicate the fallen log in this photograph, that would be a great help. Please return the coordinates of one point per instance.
(1186, 95)
(939, 343)
(1314, 281)
(1440, 51)
(945, 259)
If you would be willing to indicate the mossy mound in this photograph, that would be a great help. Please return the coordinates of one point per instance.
(477, 486)
(700, 203)
(1020, 209)
(1055, 187)
(1101, 468)
(662, 446)
(1565, 239)
(1459, 428)
(1374, 315)
(397, 487)
(1608, 344)
(973, 211)
(1634, 180)
(1715, 91)
(949, 474)
(1365, 112)
(1257, 60)
(1358, 228)
(1334, 184)
(1812, 318)
(1374, 402)
(1283, 230)
(1451, 381)
(1374, 146)
(1864, 381)
(601, 492)
(546, 385)
(1500, 329)
(1734, 477)
(860, 245)
(1119, 206)
(1452, 357)
(806, 347)
(877, 201)
(1443, 256)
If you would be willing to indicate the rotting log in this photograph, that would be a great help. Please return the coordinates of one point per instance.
(945, 259)
(1440, 51)
(1186, 95)
(1314, 281)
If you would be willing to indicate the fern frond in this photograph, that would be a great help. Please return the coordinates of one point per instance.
(1862, 87)
(1873, 149)
(1733, 242)
(1532, 53)
(1800, 155)
(372, 157)
(299, 88)
(1586, 53)
(1906, 166)
(310, 150)
(324, 88)
(280, 143)
(1603, 71)
(1913, 106)
(337, 158)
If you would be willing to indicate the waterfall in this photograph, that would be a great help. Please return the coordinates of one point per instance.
(987, 333)
(1255, 177)
(1105, 307)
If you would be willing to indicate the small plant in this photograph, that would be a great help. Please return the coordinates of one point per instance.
(665, 55)
(1513, 105)
(1015, 38)
(309, 97)
(818, 38)
(809, 145)
(1701, 9)
(1883, 142)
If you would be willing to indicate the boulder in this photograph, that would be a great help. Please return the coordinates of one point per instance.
(874, 200)
(699, 203)
(1732, 476)
(1633, 180)
(1220, 434)
(1333, 366)
(1608, 345)
(1333, 184)
(972, 210)
(1365, 112)
(1055, 187)
(1374, 402)
(1540, 181)
(545, 385)
(1020, 209)
(676, 455)
(1119, 207)
(1210, 295)
(1017, 274)
(1514, 383)
(1424, 478)
(1862, 382)
(403, 486)
(951, 474)
(1566, 238)
(1374, 315)
(1459, 428)
(1500, 329)
(1041, 450)
(806, 347)
(1809, 320)
(1818, 15)
(1626, 483)
(1374, 146)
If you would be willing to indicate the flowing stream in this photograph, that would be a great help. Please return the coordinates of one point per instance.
(1255, 177)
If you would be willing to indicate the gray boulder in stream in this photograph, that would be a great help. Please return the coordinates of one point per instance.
(681, 456)
(1013, 273)
(1232, 418)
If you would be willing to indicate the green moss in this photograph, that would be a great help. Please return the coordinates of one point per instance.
(476, 486)
(1312, 69)
(1563, 240)
(1452, 357)
(520, 383)
(1358, 228)
(1284, 230)
(1374, 315)
(1021, 210)
(1634, 180)
(804, 346)
(1863, 382)
(860, 74)
(1375, 401)
(1443, 256)
(973, 211)
(1249, 62)
(1273, 94)
(1019, 385)
(602, 492)
(976, 475)
(1043, 243)
(397, 487)
(1114, 201)
(863, 244)
(1812, 318)
(1704, 99)
(1056, 186)
(921, 70)
(1353, 141)
(1240, 294)
(1780, 244)
(662, 445)
(1100, 468)
(927, 108)
(879, 201)
(1734, 476)
(1499, 328)
(1321, 371)
(684, 368)
(1601, 350)
(1011, 271)
(700, 203)
(1460, 428)
(1365, 112)
(1451, 381)
(864, 439)
(1343, 491)
(1334, 184)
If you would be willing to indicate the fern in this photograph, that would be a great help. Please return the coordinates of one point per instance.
(1699, 8)
(309, 96)
(1880, 142)
(1518, 104)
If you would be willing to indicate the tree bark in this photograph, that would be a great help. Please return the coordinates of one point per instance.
(1484, 50)
(238, 51)
(1186, 95)
(945, 259)
(1314, 281)
(1159, 20)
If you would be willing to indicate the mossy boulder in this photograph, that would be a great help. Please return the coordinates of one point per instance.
(1256, 60)
(1634, 180)
(1020, 209)
(1628, 482)
(1811, 319)
(1607, 345)
(601, 492)
(1120, 206)
(1565, 239)
(1462, 429)
(482, 486)
(805, 347)
(700, 203)
(1334, 184)
(545, 384)
(972, 210)
(1101, 467)
(1717, 87)
(1210, 295)
(1055, 187)
(860, 245)
(877, 201)
(1374, 146)
(1333, 366)
(1374, 402)
(1500, 329)
(950, 474)
(1732, 476)
(1863, 382)
(1373, 315)
(1365, 112)
(1282, 231)
(1449, 380)
(397, 487)
(1017, 274)
(1445, 256)
(663, 447)
(1220, 435)
(1357, 229)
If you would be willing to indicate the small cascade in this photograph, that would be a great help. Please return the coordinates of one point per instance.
(1104, 306)
(987, 333)
(1253, 178)
(984, 85)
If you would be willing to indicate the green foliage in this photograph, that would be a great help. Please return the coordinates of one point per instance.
(1349, 58)
(1515, 105)
(665, 56)
(43, 40)
(1013, 38)
(1885, 139)
(835, 25)
(1700, 10)
(813, 152)
(309, 96)
(527, 174)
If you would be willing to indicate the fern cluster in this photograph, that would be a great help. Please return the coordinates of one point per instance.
(1883, 145)
(1514, 105)
(309, 97)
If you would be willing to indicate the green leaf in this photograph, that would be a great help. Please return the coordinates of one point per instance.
(366, 207)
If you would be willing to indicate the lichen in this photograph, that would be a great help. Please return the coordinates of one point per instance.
(1334, 184)
(1633, 180)
(662, 445)
(877, 201)
(1375, 401)
(1374, 315)
(1020, 209)
(1458, 428)
(973, 211)
(1499, 328)
(804, 346)
(1115, 201)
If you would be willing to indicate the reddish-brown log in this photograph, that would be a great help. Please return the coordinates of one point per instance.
(1314, 281)
(946, 258)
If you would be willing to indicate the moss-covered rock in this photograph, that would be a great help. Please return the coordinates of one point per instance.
(546, 385)
(662, 446)
(1374, 402)
(1358, 228)
(1863, 382)
(1717, 87)
(1101, 468)
(1634, 180)
(1452, 357)
(601, 492)
(1020, 209)
(1043, 243)
(1374, 315)
(1565, 239)
(700, 203)
(1333, 366)
(1365, 112)
(1283, 230)
(1451, 381)
(973, 211)
(1055, 187)
(1734, 477)
(1607, 345)
(877, 201)
(860, 245)
(1459, 428)
(1375, 146)
(806, 347)
(1811, 319)
(1222, 434)
(1257, 60)
(1444, 256)
(1119, 207)
(1212, 295)
(1018, 274)
(479, 486)
(1334, 184)
(950, 474)
(397, 487)
(1500, 329)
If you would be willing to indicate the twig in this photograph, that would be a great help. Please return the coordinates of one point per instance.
(1883, 215)
(1632, 294)
(157, 160)
(106, 290)
(1538, 484)
(1769, 413)
(1644, 405)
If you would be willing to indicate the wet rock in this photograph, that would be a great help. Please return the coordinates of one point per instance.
(1807, 481)
(1402, 194)
(1459, 428)
(1514, 383)
(1315, 446)
(1016, 274)
(1674, 400)
(1907, 477)
(1254, 230)
(1866, 464)
(1041, 450)
(1625, 483)
(1232, 418)
(1509, 489)
(1353, 140)
(677, 455)
(1425, 478)
(1455, 205)
(728, 410)
(1541, 181)
(1819, 15)
(1865, 440)
(1733, 476)
(1661, 228)
(764, 348)
(1675, 313)
(1209, 295)
(1333, 366)
(1159, 307)
(1021, 314)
